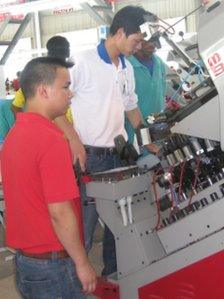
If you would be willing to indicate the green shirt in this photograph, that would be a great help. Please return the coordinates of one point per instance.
(6, 117)
(150, 89)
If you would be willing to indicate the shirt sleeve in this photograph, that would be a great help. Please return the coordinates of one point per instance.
(79, 73)
(19, 100)
(57, 174)
(131, 98)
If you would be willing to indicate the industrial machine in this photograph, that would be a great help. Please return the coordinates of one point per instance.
(168, 222)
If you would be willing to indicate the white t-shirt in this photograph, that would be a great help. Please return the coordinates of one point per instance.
(102, 93)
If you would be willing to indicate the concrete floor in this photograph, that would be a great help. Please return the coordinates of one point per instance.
(7, 282)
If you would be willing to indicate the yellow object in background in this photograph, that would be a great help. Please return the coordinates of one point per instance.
(19, 102)
(69, 115)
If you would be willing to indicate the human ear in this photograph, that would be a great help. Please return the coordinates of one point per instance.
(120, 32)
(42, 89)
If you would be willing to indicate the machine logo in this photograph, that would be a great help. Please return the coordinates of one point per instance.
(216, 63)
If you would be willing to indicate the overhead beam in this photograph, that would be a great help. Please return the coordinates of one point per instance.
(91, 7)
(41, 5)
(4, 25)
(15, 39)
(92, 12)
(106, 7)
(33, 6)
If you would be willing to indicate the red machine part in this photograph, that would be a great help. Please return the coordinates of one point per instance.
(106, 289)
(201, 280)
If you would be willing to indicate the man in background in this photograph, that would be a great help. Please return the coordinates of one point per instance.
(58, 47)
(15, 82)
(150, 87)
(150, 82)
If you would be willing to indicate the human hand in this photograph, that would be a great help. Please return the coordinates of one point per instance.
(78, 152)
(153, 148)
(87, 277)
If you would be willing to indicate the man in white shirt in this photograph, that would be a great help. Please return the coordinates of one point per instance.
(103, 86)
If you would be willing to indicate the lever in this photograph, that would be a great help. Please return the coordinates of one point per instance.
(129, 202)
(122, 202)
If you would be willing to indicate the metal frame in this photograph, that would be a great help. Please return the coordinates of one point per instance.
(16, 37)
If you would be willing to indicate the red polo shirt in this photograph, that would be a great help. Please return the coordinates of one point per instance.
(36, 170)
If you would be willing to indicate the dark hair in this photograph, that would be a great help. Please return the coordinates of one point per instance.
(129, 18)
(18, 74)
(39, 70)
(58, 46)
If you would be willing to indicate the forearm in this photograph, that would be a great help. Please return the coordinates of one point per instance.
(77, 148)
(66, 127)
(67, 230)
(135, 117)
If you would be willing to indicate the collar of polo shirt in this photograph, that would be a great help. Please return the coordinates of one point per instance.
(102, 52)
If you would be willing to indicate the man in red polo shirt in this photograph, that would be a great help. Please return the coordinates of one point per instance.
(41, 195)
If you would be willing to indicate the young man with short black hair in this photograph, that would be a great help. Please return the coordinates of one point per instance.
(40, 191)
(103, 84)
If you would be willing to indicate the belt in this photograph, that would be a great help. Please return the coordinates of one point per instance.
(96, 150)
(47, 255)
